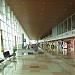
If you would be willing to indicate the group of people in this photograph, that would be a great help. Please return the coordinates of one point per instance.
(31, 46)
(46, 47)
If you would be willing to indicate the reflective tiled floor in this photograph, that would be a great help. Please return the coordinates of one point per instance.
(37, 64)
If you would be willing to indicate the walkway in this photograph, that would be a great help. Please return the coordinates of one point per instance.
(36, 64)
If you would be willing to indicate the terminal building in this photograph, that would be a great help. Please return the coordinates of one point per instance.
(37, 37)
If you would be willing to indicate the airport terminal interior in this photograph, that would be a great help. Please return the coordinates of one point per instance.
(37, 37)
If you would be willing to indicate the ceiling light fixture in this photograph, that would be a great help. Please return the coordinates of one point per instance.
(57, 17)
(23, 3)
(70, 3)
(24, 9)
(44, 3)
(42, 9)
(65, 9)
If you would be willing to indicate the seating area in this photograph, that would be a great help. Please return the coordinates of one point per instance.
(7, 54)
(7, 58)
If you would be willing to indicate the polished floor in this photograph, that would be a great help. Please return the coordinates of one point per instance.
(38, 64)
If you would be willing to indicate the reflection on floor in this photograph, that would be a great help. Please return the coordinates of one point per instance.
(36, 64)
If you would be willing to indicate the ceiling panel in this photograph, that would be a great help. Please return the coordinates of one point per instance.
(38, 17)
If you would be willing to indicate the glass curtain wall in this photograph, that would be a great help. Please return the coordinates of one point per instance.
(66, 25)
(10, 27)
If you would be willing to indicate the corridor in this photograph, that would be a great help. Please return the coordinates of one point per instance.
(27, 26)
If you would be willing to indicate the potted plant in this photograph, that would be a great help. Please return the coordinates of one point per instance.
(14, 50)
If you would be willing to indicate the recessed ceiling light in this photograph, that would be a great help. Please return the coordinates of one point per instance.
(44, 3)
(65, 9)
(23, 3)
(42, 9)
(57, 17)
(70, 3)
(24, 9)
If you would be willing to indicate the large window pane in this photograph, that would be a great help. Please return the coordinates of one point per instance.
(8, 22)
(5, 28)
(4, 18)
(7, 47)
(9, 29)
(3, 34)
(69, 24)
(61, 28)
(65, 26)
(1, 6)
(1, 16)
(2, 25)
(3, 10)
(58, 30)
(6, 38)
(73, 21)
